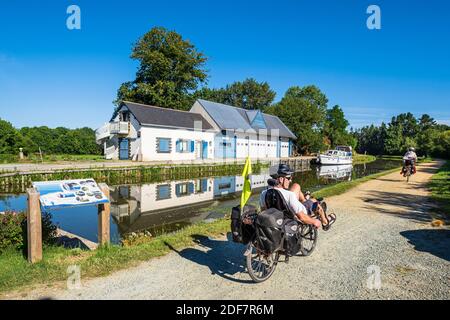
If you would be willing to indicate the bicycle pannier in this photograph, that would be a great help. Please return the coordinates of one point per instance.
(292, 239)
(269, 232)
(242, 233)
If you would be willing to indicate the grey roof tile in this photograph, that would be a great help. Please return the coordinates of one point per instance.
(151, 115)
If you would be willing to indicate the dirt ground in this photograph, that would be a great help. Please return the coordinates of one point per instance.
(381, 247)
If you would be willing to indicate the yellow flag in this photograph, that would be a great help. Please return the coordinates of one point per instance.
(247, 190)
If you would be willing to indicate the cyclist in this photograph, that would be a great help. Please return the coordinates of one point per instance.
(295, 199)
(409, 159)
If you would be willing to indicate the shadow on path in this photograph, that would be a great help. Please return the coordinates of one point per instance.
(403, 205)
(433, 241)
(222, 257)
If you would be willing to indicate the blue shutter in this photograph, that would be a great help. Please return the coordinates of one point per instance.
(204, 185)
(191, 188)
(177, 190)
(205, 149)
(178, 147)
(192, 145)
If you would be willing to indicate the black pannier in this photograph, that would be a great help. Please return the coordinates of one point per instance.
(291, 235)
(242, 233)
(269, 230)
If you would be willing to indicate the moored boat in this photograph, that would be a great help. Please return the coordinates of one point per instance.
(338, 156)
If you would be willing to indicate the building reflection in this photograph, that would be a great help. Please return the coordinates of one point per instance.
(168, 206)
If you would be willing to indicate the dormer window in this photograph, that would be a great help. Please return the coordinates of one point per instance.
(125, 116)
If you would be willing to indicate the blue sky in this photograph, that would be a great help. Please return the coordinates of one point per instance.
(52, 76)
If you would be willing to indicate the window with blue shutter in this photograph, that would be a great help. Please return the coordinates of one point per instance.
(185, 146)
(163, 192)
(204, 184)
(163, 145)
(184, 189)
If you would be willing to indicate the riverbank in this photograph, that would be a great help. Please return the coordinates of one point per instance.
(440, 191)
(15, 272)
(363, 158)
(19, 181)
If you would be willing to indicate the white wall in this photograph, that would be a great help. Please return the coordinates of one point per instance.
(284, 147)
(148, 196)
(256, 181)
(148, 143)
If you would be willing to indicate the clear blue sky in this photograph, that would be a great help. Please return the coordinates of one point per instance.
(52, 76)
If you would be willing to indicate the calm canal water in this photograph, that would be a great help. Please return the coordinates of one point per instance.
(168, 206)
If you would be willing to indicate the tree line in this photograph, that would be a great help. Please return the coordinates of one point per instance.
(403, 131)
(50, 141)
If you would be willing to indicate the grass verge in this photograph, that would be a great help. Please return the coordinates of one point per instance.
(17, 273)
(440, 189)
(50, 158)
(363, 158)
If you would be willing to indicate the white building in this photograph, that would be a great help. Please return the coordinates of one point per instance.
(208, 131)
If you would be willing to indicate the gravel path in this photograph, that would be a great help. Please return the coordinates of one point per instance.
(382, 225)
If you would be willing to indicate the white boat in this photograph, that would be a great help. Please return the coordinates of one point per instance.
(338, 156)
(341, 172)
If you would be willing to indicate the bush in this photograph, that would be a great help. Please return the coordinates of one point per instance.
(13, 230)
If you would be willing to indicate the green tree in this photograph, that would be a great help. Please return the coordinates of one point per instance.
(248, 94)
(169, 69)
(426, 122)
(335, 128)
(304, 111)
(10, 139)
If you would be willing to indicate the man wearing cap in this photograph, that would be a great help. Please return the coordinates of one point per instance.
(296, 200)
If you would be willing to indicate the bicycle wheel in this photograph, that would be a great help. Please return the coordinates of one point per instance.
(308, 236)
(408, 173)
(259, 266)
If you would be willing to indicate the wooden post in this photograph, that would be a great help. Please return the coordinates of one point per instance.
(104, 213)
(34, 226)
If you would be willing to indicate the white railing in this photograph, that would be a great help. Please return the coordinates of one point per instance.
(120, 127)
(109, 152)
(102, 133)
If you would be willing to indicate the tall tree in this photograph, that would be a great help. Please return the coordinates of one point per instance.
(335, 128)
(169, 69)
(248, 94)
(304, 111)
(10, 139)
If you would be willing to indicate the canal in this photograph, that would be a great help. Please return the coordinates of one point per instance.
(168, 206)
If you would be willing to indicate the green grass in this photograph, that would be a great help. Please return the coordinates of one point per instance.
(50, 158)
(16, 272)
(440, 189)
(363, 158)
(420, 159)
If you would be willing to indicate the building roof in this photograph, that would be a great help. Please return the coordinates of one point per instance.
(234, 118)
(225, 116)
(273, 122)
(157, 116)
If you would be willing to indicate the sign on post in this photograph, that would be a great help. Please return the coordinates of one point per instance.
(69, 193)
(54, 195)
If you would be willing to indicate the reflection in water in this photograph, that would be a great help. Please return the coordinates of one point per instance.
(338, 173)
(164, 207)
(168, 206)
